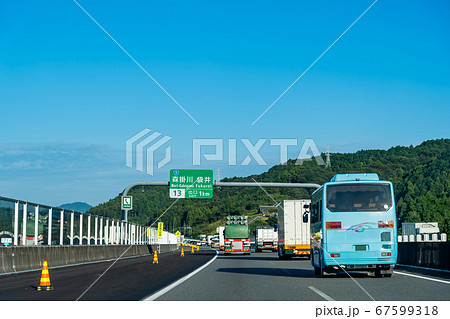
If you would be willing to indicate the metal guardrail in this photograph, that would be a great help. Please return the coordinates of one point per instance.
(24, 223)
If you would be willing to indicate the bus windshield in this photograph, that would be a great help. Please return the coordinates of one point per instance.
(358, 197)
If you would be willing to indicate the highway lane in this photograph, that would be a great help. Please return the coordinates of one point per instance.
(262, 276)
(128, 279)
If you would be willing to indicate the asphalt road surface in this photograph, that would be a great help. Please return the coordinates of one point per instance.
(262, 276)
(128, 279)
(259, 276)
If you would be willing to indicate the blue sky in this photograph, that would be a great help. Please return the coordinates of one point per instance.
(70, 97)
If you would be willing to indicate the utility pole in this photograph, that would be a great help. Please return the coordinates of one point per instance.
(328, 162)
(218, 174)
(188, 227)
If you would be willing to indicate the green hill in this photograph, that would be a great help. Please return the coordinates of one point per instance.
(421, 178)
(76, 206)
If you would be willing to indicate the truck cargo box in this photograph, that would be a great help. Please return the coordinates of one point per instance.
(266, 239)
(293, 233)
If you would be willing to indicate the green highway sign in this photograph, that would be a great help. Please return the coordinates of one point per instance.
(127, 202)
(191, 183)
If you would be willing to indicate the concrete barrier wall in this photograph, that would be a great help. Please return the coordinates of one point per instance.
(14, 259)
(425, 254)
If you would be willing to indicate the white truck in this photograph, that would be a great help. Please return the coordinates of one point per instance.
(294, 229)
(220, 231)
(209, 240)
(215, 241)
(266, 238)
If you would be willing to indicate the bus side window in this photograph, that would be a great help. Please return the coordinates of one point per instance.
(313, 213)
(319, 211)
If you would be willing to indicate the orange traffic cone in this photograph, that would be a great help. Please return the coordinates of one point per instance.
(155, 258)
(182, 252)
(45, 279)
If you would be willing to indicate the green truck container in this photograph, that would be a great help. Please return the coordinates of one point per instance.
(237, 238)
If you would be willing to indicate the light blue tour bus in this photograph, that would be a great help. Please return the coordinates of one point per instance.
(354, 226)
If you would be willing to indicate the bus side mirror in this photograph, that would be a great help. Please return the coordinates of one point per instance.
(305, 217)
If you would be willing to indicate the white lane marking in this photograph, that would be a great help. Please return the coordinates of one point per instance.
(321, 294)
(422, 277)
(179, 281)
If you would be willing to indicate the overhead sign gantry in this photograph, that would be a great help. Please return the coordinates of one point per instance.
(214, 184)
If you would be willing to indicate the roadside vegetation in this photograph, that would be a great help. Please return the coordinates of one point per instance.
(421, 178)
